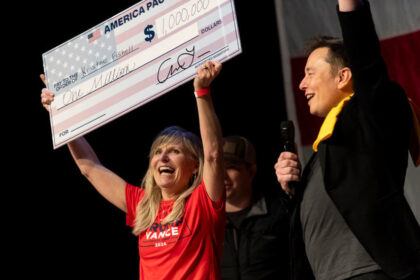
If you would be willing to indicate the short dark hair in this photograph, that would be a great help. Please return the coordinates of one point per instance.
(337, 55)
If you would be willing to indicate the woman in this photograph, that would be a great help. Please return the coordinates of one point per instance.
(178, 213)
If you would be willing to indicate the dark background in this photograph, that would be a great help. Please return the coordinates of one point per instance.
(60, 226)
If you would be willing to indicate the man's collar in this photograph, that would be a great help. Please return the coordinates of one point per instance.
(327, 127)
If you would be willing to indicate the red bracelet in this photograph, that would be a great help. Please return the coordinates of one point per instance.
(201, 92)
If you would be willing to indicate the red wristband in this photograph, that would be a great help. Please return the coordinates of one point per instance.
(201, 92)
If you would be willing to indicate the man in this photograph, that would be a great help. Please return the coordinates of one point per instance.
(255, 244)
(351, 220)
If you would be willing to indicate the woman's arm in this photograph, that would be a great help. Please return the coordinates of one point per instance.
(107, 183)
(211, 132)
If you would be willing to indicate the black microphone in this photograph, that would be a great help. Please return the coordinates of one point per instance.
(287, 136)
(287, 130)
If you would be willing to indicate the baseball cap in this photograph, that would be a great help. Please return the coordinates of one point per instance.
(238, 149)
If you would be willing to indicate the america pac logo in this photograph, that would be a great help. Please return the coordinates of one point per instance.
(132, 15)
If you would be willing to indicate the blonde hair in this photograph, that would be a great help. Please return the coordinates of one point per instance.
(148, 207)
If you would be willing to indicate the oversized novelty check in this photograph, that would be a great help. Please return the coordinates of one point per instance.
(133, 58)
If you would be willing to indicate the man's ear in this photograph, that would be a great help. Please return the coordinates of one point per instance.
(253, 170)
(344, 78)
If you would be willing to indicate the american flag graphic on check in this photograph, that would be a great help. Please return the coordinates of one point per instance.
(94, 35)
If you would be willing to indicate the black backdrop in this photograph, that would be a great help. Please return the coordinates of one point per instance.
(60, 226)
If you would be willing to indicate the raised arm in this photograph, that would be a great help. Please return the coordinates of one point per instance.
(370, 76)
(107, 183)
(211, 133)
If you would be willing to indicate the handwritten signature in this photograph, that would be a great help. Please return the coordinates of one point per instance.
(170, 66)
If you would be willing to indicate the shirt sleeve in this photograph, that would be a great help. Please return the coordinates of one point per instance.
(133, 196)
(215, 210)
(369, 71)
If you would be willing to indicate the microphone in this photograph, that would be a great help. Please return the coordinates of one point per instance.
(287, 136)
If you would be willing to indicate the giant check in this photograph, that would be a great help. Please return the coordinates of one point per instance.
(132, 58)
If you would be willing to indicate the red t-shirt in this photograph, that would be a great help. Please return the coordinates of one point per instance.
(189, 248)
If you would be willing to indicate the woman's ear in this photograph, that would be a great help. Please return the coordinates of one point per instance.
(196, 167)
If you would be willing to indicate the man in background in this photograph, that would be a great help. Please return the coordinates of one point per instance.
(256, 237)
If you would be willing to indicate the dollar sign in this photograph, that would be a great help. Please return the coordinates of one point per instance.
(149, 33)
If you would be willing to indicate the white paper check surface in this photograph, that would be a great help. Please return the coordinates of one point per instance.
(133, 58)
